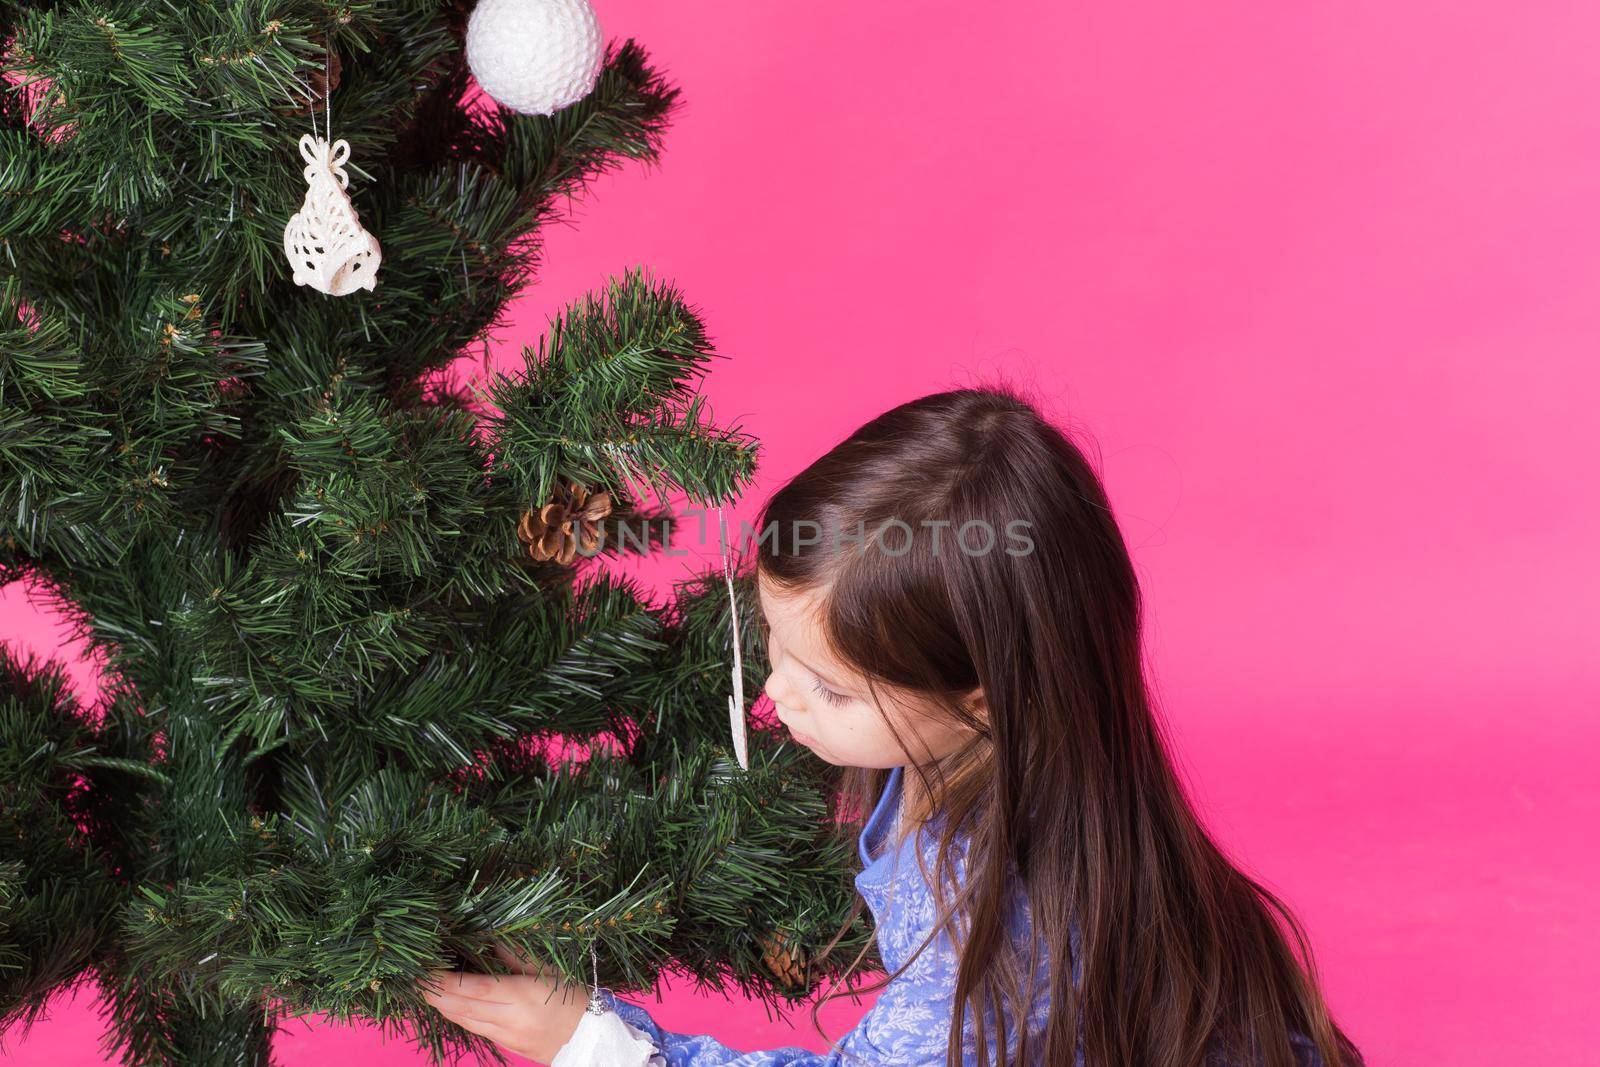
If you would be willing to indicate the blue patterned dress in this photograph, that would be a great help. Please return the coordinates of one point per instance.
(910, 1023)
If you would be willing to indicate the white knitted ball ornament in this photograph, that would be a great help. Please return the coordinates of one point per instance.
(534, 56)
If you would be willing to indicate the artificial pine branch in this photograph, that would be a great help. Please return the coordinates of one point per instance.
(609, 397)
(66, 786)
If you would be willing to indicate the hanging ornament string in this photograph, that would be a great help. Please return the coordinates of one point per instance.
(325, 244)
(605, 1039)
(327, 90)
(736, 717)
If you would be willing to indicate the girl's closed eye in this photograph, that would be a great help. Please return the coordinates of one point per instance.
(828, 694)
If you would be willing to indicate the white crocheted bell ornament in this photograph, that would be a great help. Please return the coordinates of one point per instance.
(326, 246)
(535, 56)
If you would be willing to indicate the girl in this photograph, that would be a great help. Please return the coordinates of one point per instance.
(947, 592)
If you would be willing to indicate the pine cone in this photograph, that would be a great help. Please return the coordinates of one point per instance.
(572, 518)
(787, 963)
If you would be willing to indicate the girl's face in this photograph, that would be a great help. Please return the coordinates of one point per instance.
(827, 706)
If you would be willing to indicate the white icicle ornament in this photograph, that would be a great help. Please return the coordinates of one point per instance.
(741, 744)
(324, 241)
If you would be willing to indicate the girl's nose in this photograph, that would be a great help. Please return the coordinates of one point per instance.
(776, 688)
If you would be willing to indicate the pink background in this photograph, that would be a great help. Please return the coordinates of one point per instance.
(1317, 284)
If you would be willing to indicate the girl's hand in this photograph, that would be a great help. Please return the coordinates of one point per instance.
(531, 1014)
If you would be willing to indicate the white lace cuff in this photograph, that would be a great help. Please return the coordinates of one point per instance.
(605, 1039)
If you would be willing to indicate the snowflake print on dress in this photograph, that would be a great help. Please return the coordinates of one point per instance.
(909, 1025)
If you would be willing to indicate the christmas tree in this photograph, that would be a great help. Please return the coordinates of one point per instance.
(372, 701)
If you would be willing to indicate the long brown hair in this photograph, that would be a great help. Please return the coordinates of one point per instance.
(1066, 781)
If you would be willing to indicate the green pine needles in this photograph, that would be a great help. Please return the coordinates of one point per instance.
(326, 757)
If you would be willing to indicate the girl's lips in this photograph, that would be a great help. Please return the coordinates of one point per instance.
(800, 737)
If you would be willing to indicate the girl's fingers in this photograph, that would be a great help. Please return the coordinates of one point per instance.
(524, 964)
(498, 1034)
(479, 1012)
(485, 987)
(515, 960)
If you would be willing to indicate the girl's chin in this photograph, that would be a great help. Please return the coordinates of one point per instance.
(820, 753)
